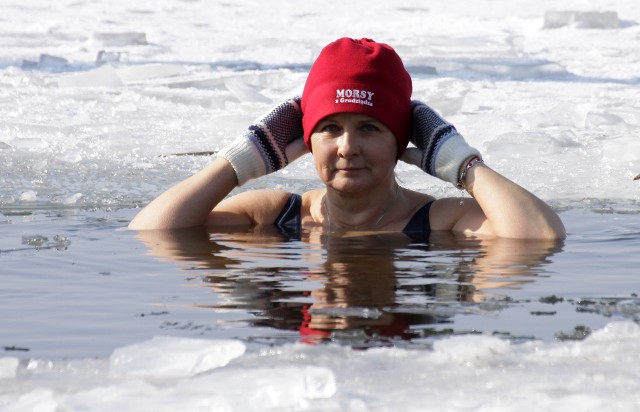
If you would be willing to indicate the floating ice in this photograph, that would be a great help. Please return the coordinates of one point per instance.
(366, 313)
(46, 62)
(519, 70)
(29, 196)
(8, 367)
(463, 349)
(257, 388)
(498, 80)
(594, 119)
(111, 57)
(131, 74)
(140, 396)
(49, 62)
(103, 76)
(623, 149)
(169, 357)
(121, 39)
(34, 240)
(581, 19)
(244, 92)
(599, 372)
(70, 200)
(37, 400)
(421, 69)
(42, 242)
(30, 143)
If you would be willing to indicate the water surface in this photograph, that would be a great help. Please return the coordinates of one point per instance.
(78, 284)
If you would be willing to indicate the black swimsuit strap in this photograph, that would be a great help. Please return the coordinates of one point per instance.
(419, 228)
(289, 221)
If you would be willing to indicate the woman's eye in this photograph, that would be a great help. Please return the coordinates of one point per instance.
(370, 127)
(330, 128)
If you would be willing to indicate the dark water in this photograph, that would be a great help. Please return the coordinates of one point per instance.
(76, 283)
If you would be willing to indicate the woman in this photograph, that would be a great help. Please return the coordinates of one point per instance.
(357, 118)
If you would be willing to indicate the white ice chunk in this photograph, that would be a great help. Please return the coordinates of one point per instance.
(265, 388)
(8, 367)
(244, 92)
(121, 39)
(29, 196)
(554, 19)
(617, 332)
(38, 400)
(49, 62)
(34, 240)
(622, 149)
(519, 70)
(70, 200)
(127, 107)
(594, 119)
(615, 342)
(170, 357)
(111, 57)
(130, 74)
(471, 348)
(30, 143)
(72, 156)
(104, 76)
(139, 396)
(530, 145)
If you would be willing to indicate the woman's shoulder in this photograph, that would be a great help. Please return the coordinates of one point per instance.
(416, 201)
(448, 213)
(260, 206)
(311, 209)
(267, 196)
(313, 196)
(419, 198)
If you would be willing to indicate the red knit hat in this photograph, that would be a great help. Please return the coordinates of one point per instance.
(359, 76)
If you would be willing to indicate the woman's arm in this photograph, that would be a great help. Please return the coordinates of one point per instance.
(190, 202)
(499, 207)
(200, 201)
(268, 145)
(511, 210)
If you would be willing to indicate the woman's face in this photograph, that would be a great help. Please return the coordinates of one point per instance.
(353, 152)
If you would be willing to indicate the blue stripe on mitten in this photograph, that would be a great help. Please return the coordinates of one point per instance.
(444, 150)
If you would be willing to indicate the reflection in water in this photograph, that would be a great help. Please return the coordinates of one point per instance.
(362, 288)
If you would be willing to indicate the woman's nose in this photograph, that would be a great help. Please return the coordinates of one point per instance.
(347, 143)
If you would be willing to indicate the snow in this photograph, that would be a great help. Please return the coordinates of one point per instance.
(463, 373)
(96, 96)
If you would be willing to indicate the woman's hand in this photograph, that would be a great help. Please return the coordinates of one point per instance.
(443, 150)
(500, 207)
(269, 144)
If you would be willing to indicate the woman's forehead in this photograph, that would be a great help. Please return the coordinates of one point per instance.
(347, 116)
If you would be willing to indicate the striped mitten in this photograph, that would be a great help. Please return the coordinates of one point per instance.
(262, 148)
(444, 150)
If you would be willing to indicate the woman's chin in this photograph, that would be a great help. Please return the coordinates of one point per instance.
(353, 184)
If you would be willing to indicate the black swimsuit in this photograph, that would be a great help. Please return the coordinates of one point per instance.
(289, 221)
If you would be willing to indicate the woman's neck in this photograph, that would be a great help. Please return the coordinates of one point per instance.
(357, 211)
